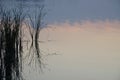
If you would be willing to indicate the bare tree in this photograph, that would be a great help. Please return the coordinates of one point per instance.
(11, 52)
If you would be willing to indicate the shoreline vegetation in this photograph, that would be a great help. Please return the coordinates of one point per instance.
(11, 36)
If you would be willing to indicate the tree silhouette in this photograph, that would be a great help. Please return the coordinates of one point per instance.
(11, 44)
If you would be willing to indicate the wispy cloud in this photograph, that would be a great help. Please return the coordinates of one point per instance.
(110, 26)
(82, 30)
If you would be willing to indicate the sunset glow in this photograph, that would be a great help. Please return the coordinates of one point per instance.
(86, 51)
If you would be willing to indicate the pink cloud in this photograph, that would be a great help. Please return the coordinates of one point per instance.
(108, 26)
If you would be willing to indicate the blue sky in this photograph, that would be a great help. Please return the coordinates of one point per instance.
(77, 10)
(59, 11)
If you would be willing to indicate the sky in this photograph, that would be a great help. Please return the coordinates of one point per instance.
(60, 11)
(79, 10)
(85, 35)
(87, 51)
